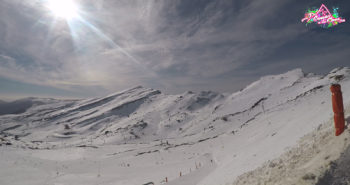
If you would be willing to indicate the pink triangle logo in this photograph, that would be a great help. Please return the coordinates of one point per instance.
(323, 17)
(323, 11)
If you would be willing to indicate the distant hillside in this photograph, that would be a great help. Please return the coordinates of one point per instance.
(15, 107)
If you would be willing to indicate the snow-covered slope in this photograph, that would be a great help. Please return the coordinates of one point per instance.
(143, 135)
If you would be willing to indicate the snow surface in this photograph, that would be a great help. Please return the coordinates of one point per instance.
(141, 135)
(316, 159)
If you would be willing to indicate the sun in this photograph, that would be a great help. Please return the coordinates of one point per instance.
(65, 9)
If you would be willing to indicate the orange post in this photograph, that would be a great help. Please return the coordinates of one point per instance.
(338, 109)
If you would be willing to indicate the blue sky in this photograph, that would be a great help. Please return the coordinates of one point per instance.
(171, 45)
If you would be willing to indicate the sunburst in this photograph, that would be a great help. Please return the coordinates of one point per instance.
(65, 9)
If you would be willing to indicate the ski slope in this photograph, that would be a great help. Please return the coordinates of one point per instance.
(142, 135)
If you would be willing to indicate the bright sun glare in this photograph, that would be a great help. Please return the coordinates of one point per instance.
(66, 9)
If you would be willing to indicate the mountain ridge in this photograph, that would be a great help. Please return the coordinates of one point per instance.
(229, 134)
(181, 110)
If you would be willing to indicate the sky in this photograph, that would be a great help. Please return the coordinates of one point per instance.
(170, 45)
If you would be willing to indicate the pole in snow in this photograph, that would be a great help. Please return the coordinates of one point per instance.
(338, 109)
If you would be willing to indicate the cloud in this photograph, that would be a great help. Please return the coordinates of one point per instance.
(173, 45)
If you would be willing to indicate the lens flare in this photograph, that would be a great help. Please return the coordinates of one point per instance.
(75, 19)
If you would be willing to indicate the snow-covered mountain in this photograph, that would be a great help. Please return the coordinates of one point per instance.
(142, 135)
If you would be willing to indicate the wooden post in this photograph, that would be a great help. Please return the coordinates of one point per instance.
(338, 109)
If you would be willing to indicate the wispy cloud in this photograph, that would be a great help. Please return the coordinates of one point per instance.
(173, 45)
